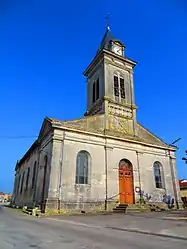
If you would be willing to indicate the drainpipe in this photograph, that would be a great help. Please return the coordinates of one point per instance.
(173, 180)
(106, 176)
(139, 178)
(60, 176)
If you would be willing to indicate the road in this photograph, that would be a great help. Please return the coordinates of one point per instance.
(19, 231)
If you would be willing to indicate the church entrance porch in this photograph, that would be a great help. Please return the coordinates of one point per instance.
(126, 190)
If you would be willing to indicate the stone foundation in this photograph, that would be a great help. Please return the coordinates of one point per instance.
(73, 207)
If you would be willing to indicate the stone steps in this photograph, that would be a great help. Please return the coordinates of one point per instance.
(121, 208)
(35, 211)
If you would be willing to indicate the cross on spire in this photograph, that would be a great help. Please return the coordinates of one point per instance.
(108, 21)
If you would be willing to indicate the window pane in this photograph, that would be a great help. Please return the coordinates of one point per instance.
(122, 88)
(157, 174)
(81, 179)
(93, 93)
(34, 175)
(97, 89)
(27, 180)
(116, 86)
(18, 183)
(22, 182)
(82, 168)
(86, 180)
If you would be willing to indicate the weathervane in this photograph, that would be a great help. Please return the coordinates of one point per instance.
(108, 21)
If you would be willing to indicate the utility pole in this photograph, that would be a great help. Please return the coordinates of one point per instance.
(184, 158)
(173, 173)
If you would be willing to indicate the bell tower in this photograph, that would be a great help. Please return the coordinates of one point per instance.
(110, 87)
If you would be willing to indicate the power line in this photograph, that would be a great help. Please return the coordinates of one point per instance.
(17, 137)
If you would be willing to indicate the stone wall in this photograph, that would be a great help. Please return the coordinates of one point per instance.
(74, 196)
(32, 194)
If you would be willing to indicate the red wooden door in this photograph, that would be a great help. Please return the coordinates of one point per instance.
(126, 182)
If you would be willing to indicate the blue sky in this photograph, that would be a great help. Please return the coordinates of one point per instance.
(46, 45)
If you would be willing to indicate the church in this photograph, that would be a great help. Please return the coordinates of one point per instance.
(103, 158)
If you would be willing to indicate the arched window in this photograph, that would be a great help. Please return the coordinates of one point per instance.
(125, 164)
(19, 179)
(93, 93)
(97, 89)
(27, 179)
(122, 88)
(158, 175)
(34, 175)
(22, 181)
(116, 86)
(82, 167)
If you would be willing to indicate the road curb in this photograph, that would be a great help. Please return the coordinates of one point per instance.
(148, 233)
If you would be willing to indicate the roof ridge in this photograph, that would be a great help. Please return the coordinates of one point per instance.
(76, 119)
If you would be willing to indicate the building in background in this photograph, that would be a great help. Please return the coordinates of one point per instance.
(5, 197)
(183, 191)
(104, 157)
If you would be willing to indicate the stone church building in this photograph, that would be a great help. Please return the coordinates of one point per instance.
(104, 157)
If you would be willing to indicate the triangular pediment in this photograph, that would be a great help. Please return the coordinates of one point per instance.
(45, 129)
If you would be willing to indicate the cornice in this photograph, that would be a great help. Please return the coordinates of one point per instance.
(115, 138)
(101, 55)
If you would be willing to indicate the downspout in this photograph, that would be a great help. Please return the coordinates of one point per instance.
(106, 163)
(173, 180)
(106, 177)
(60, 176)
(139, 178)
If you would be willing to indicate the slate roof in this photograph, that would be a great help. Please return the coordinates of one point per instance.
(95, 124)
(107, 38)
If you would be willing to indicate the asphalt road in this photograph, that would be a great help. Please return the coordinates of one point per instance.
(20, 231)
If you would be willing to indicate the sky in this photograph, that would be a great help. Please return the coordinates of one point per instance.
(46, 45)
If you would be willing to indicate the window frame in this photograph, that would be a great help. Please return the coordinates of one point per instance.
(122, 88)
(85, 176)
(93, 92)
(158, 175)
(27, 179)
(97, 89)
(18, 186)
(22, 182)
(119, 92)
(34, 175)
(116, 86)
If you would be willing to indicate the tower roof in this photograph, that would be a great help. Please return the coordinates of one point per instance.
(107, 38)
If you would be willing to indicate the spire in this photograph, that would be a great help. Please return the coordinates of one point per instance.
(108, 36)
(105, 42)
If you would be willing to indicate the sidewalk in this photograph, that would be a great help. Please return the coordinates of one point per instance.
(153, 224)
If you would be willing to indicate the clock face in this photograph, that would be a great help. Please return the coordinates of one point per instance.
(118, 50)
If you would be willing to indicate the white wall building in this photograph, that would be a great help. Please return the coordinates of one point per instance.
(107, 155)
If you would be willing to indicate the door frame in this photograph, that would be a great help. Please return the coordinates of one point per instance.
(128, 163)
